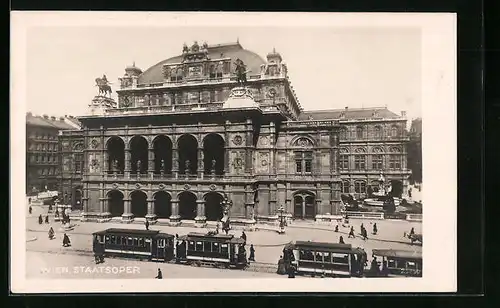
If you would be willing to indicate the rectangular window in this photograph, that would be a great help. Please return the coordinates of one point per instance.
(360, 187)
(216, 247)
(344, 162)
(298, 165)
(308, 161)
(207, 246)
(359, 162)
(346, 187)
(78, 163)
(395, 162)
(224, 249)
(199, 246)
(303, 162)
(191, 245)
(377, 162)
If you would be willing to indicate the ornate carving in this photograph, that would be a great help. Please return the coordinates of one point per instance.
(303, 142)
(137, 186)
(263, 163)
(264, 140)
(94, 164)
(237, 140)
(238, 163)
(271, 93)
(166, 72)
(213, 187)
(77, 146)
(115, 185)
(94, 143)
(187, 187)
(161, 186)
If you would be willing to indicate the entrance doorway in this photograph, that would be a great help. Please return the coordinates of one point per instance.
(115, 203)
(213, 207)
(187, 205)
(304, 205)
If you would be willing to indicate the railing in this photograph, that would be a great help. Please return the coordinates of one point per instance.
(165, 108)
(311, 123)
(363, 215)
(414, 217)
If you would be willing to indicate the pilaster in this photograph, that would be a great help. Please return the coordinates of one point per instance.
(175, 217)
(127, 215)
(151, 216)
(200, 219)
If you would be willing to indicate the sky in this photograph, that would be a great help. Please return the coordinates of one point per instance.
(329, 67)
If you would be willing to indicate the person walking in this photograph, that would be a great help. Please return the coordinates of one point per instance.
(375, 229)
(30, 210)
(244, 236)
(40, 219)
(351, 233)
(160, 275)
(252, 253)
(337, 228)
(147, 224)
(217, 228)
(66, 241)
(341, 240)
(291, 271)
(47, 219)
(51, 233)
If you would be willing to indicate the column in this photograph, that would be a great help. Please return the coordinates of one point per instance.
(105, 163)
(248, 145)
(200, 212)
(127, 215)
(151, 216)
(226, 148)
(127, 161)
(175, 217)
(303, 207)
(151, 162)
(201, 167)
(175, 161)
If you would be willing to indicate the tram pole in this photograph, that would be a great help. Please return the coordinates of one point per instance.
(282, 222)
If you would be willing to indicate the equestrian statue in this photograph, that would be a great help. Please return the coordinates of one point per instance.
(104, 85)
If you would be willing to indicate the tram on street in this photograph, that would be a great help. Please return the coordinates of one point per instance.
(323, 259)
(129, 243)
(397, 263)
(221, 250)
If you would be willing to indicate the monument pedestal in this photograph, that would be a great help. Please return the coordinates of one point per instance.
(100, 104)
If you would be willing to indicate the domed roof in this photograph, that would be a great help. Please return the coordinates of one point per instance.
(234, 51)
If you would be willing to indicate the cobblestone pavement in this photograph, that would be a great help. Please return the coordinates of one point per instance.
(268, 244)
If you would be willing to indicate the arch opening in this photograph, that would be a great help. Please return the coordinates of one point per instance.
(213, 154)
(163, 204)
(163, 155)
(139, 202)
(213, 207)
(139, 154)
(116, 155)
(304, 205)
(396, 188)
(187, 205)
(115, 203)
(188, 154)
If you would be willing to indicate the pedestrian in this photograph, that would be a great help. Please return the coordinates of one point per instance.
(66, 241)
(244, 236)
(364, 234)
(409, 192)
(412, 231)
(47, 219)
(147, 224)
(40, 219)
(341, 240)
(374, 266)
(160, 275)
(29, 201)
(217, 228)
(252, 253)
(362, 226)
(351, 233)
(281, 266)
(56, 214)
(375, 230)
(291, 271)
(51, 233)
(337, 228)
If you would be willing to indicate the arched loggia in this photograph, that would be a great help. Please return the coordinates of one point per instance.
(188, 154)
(115, 203)
(163, 204)
(162, 146)
(187, 205)
(139, 154)
(213, 154)
(115, 148)
(139, 203)
(213, 206)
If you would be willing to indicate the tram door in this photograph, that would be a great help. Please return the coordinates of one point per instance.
(160, 248)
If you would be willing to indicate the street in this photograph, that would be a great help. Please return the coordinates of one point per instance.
(48, 258)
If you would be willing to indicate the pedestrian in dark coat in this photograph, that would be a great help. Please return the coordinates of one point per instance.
(412, 231)
(40, 219)
(375, 230)
(364, 234)
(341, 240)
(337, 228)
(244, 236)
(51, 233)
(47, 219)
(160, 275)
(351, 233)
(147, 224)
(66, 241)
(56, 213)
(30, 209)
(291, 271)
(252, 253)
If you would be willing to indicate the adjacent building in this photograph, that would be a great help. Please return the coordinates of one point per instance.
(415, 151)
(42, 150)
(188, 140)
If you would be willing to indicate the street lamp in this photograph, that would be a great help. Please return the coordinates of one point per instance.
(281, 210)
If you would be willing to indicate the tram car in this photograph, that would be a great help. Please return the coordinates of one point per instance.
(139, 244)
(396, 263)
(322, 259)
(219, 250)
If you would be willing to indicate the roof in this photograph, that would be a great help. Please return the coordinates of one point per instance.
(320, 245)
(349, 113)
(129, 231)
(49, 122)
(234, 51)
(406, 254)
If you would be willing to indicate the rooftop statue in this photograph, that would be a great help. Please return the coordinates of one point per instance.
(104, 85)
(241, 72)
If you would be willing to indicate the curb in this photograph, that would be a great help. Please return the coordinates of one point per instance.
(32, 239)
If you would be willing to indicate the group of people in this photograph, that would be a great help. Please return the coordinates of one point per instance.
(363, 232)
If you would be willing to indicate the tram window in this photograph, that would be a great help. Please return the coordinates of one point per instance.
(107, 239)
(140, 242)
(190, 245)
(224, 248)
(216, 247)
(113, 239)
(411, 265)
(327, 257)
(101, 239)
(309, 255)
(118, 240)
(161, 243)
(319, 257)
(207, 246)
(391, 263)
(136, 241)
(130, 241)
(199, 246)
(340, 259)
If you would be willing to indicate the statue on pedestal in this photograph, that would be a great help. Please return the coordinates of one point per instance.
(162, 166)
(187, 165)
(138, 166)
(241, 72)
(104, 85)
(213, 166)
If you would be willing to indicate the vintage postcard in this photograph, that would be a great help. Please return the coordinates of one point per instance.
(233, 152)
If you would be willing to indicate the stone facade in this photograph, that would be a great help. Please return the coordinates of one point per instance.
(185, 137)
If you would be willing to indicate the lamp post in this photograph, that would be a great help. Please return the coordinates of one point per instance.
(281, 230)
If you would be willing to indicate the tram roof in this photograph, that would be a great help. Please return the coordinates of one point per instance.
(129, 231)
(218, 237)
(320, 245)
(405, 254)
